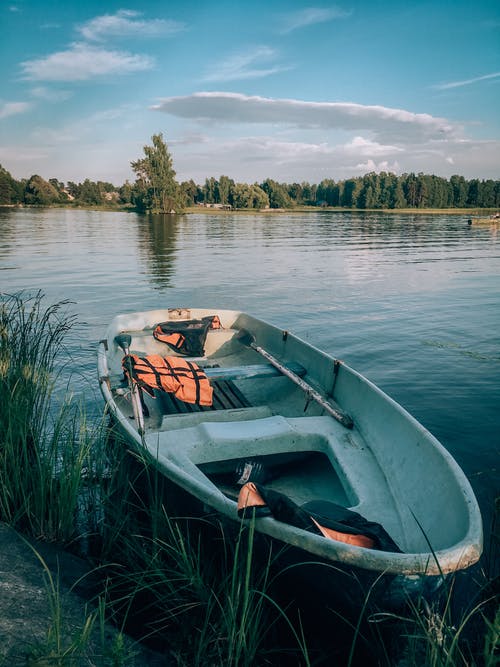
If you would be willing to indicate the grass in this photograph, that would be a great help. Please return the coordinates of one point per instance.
(180, 582)
(196, 590)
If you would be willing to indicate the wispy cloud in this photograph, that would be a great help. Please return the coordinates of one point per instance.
(127, 23)
(50, 95)
(81, 62)
(249, 65)
(386, 123)
(311, 16)
(466, 82)
(83, 128)
(13, 109)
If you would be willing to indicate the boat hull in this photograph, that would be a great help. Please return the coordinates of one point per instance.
(385, 466)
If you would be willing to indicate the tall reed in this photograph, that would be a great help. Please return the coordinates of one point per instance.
(458, 628)
(191, 585)
(42, 450)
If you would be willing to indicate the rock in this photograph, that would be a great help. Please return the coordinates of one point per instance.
(26, 614)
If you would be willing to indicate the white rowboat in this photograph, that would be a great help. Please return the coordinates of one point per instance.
(323, 431)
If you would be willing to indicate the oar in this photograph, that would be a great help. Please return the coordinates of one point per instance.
(246, 338)
(123, 340)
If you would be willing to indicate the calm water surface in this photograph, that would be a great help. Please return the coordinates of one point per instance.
(412, 302)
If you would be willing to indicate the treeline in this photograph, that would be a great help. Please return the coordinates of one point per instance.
(36, 191)
(372, 191)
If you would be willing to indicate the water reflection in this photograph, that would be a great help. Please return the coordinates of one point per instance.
(157, 246)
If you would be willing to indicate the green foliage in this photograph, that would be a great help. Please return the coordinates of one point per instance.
(156, 189)
(277, 194)
(249, 196)
(6, 189)
(39, 192)
(191, 193)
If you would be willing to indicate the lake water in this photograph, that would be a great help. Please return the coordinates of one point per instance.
(410, 301)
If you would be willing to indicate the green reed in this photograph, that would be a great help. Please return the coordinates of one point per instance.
(196, 586)
(42, 454)
(448, 631)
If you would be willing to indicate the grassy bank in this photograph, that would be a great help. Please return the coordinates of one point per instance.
(178, 582)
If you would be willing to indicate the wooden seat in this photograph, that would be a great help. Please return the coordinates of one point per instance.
(252, 371)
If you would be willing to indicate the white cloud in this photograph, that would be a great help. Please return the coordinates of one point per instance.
(362, 146)
(126, 23)
(370, 165)
(247, 65)
(466, 82)
(81, 62)
(311, 16)
(13, 109)
(386, 123)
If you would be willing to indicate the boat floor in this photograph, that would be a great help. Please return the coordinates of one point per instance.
(226, 396)
(290, 474)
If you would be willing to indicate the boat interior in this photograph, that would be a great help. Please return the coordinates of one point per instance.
(259, 415)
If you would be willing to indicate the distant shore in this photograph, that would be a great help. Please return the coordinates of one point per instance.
(189, 210)
(470, 212)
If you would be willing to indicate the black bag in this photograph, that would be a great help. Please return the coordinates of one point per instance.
(187, 337)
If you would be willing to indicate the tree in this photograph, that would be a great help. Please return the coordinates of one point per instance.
(40, 192)
(6, 189)
(350, 193)
(126, 193)
(224, 186)
(396, 194)
(89, 193)
(249, 196)
(459, 190)
(209, 191)
(277, 193)
(156, 188)
(190, 192)
(473, 193)
(410, 189)
(295, 193)
(328, 192)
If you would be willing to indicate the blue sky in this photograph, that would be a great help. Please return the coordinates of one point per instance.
(293, 91)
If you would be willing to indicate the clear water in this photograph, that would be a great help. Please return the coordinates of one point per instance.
(412, 302)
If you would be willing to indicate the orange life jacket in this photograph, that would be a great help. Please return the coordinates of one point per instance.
(185, 379)
(348, 538)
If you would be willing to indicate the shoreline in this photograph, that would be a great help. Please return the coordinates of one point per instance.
(190, 210)
(470, 212)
